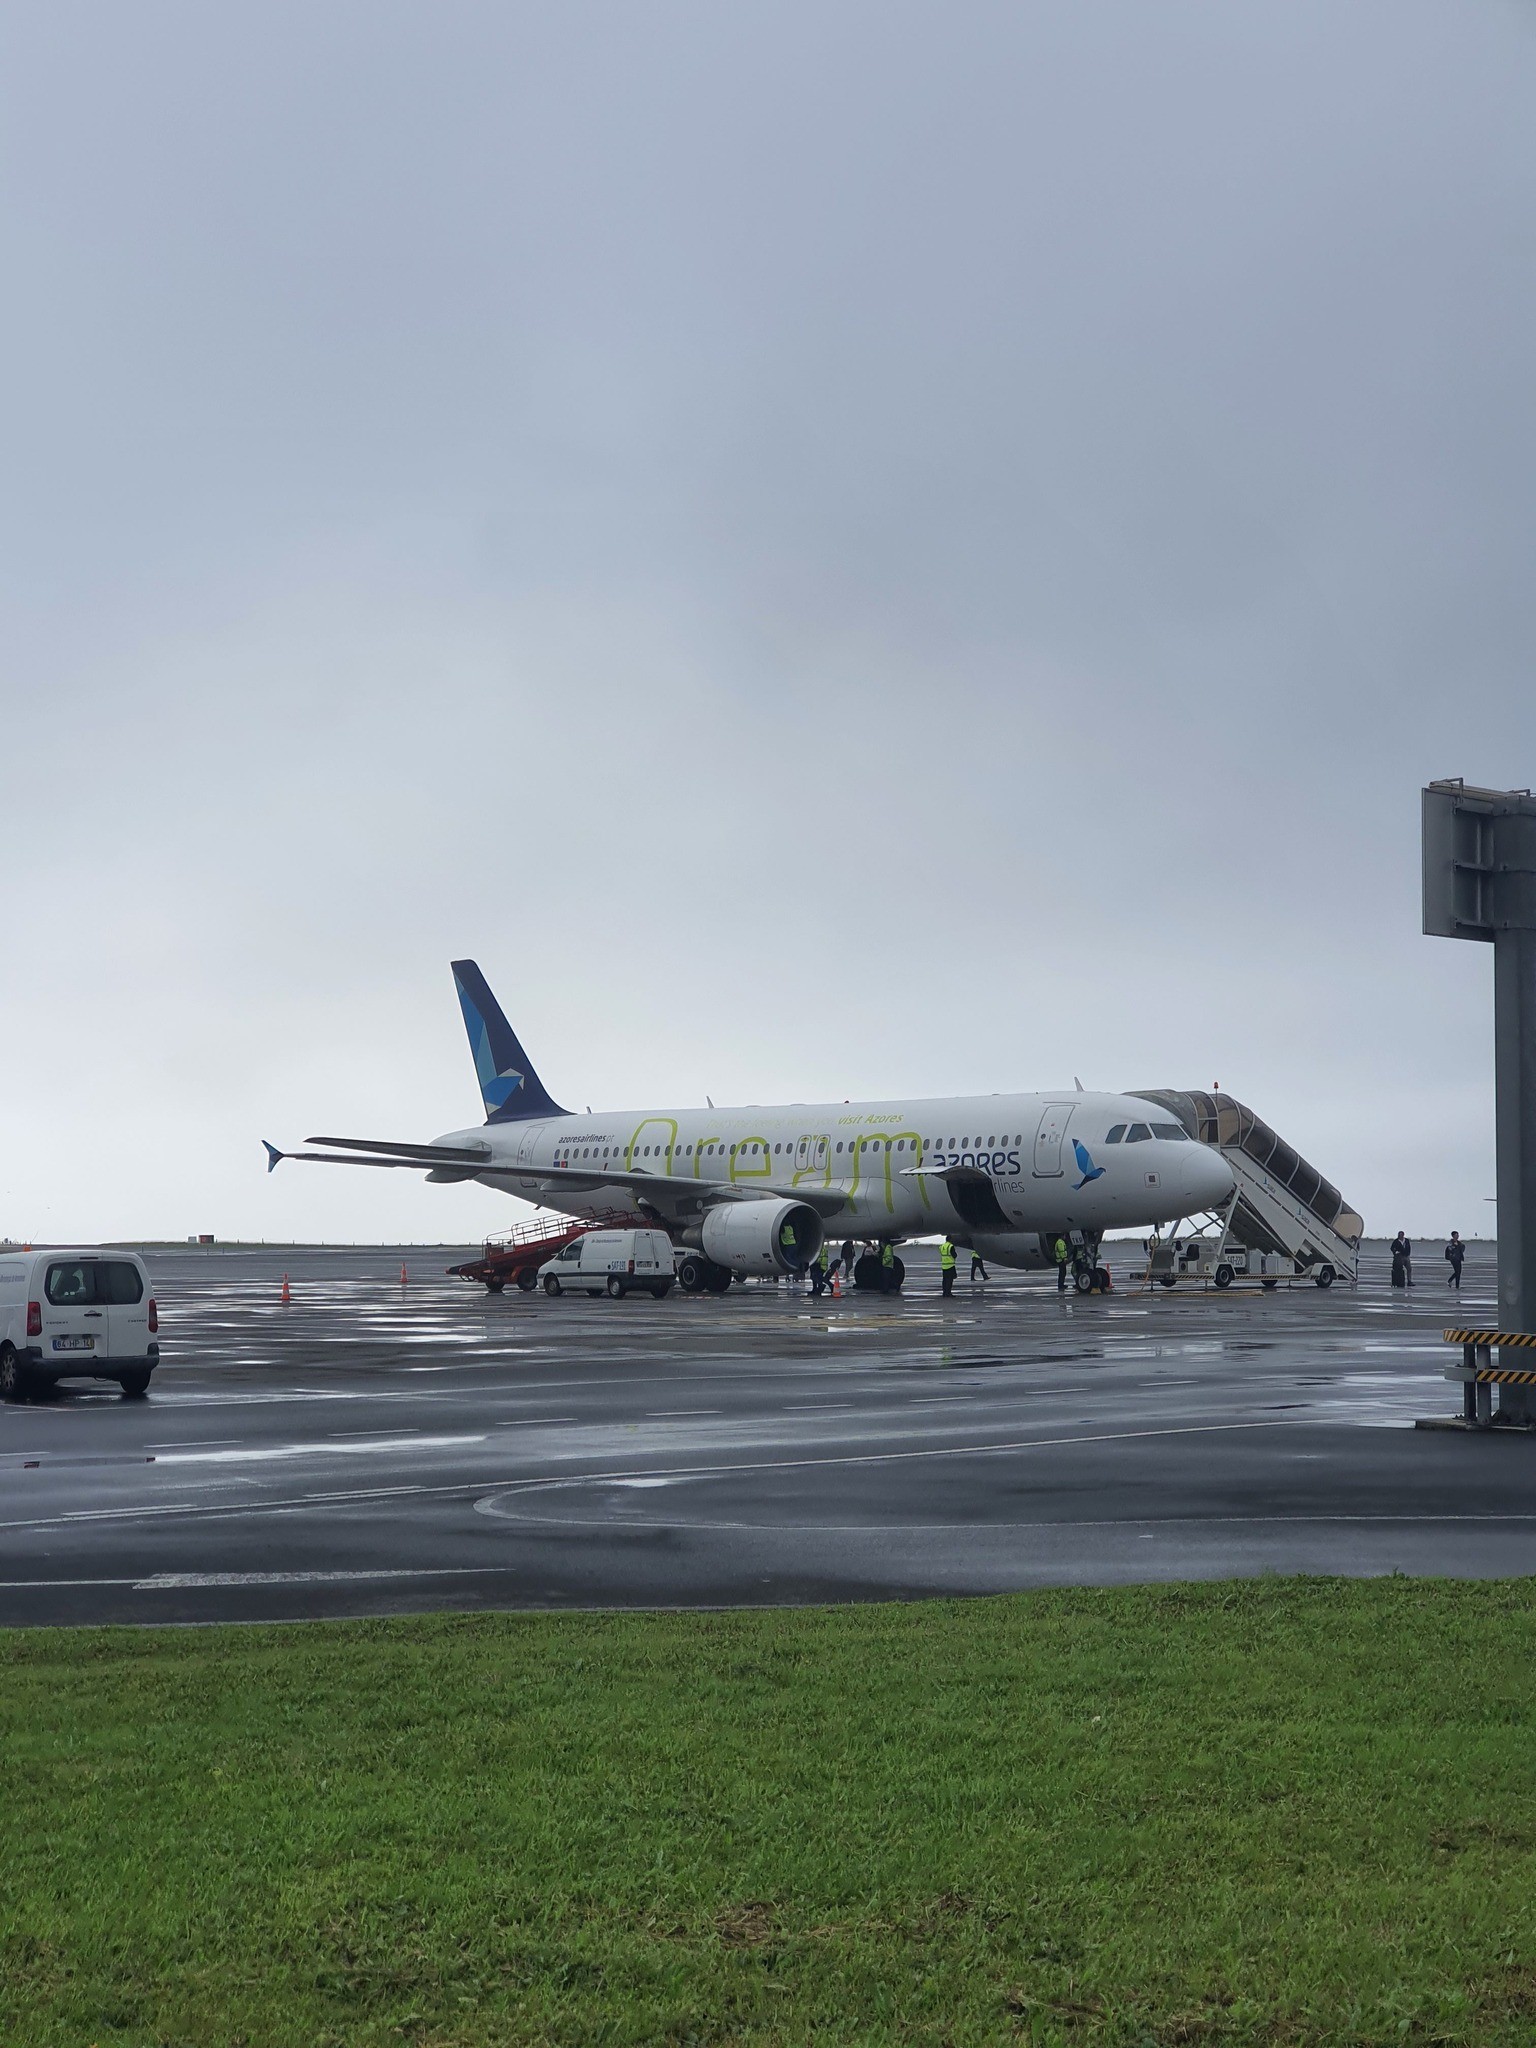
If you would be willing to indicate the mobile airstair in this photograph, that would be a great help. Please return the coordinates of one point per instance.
(1282, 1209)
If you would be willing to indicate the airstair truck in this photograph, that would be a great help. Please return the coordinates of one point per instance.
(1283, 1215)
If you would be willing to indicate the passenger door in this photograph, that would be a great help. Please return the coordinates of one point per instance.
(1054, 1119)
(74, 1322)
(124, 1299)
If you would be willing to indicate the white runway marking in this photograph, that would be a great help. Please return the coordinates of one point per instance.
(272, 1453)
(199, 1444)
(167, 1582)
(163, 1582)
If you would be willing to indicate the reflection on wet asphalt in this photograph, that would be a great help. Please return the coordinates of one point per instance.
(375, 1447)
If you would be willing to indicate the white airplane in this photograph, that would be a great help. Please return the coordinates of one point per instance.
(755, 1190)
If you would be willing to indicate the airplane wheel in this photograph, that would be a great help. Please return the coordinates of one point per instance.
(616, 1288)
(1325, 1276)
(720, 1278)
(1082, 1280)
(662, 1289)
(693, 1275)
(866, 1271)
(527, 1280)
(898, 1274)
(551, 1285)
(1223, 1276)
(1167, 1279)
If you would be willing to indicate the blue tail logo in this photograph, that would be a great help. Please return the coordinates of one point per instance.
(511, 1091)
(1085, 1165)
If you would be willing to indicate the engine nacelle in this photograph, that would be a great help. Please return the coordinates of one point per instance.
(761, 1237)
(1029, 1250)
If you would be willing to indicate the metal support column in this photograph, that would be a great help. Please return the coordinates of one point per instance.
(1514, 1039)
(1480, 883)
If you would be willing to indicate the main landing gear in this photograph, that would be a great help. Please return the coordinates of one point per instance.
(875, 1278)
(698, 1275)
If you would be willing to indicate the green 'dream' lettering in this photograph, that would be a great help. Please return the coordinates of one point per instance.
(641, 1135)
(763, 1172)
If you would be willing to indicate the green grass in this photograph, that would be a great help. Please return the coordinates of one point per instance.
(1275, 1812)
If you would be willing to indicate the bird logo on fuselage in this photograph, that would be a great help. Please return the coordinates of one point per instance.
(1085, 1165)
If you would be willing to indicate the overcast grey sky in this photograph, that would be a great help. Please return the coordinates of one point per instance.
(838, 549)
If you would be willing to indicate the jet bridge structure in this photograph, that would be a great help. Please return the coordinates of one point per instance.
(1281, 1205)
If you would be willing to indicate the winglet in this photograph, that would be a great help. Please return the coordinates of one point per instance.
(511, 1091)
(273, 1156)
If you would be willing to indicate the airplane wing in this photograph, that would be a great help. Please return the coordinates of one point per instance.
(668, 1193)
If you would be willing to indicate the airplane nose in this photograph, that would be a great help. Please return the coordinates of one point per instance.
(1209, 1180)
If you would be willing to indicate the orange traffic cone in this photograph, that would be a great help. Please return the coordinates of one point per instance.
(403, 1281)
(285, 1297)
(836, 1289)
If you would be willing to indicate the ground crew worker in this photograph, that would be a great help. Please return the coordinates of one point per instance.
(1060, 1253)
(887, 1267)
(819, 1272)
(977, 1264)
(788, 1246)
(949, 1258)
(1455, 1252)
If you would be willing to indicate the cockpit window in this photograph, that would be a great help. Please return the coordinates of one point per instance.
(1114, 1134)
(1136, 1133)
(1170, 1131)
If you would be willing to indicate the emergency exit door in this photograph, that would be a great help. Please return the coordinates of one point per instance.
(1048, 1139)
(811, 1154)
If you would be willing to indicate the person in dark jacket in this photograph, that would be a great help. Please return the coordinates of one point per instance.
(1455, 1252)
(1402, 1255)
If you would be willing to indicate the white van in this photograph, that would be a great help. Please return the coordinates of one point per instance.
(75, 1313)
(611, 1262)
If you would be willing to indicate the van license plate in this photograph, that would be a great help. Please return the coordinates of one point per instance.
(74, 1343)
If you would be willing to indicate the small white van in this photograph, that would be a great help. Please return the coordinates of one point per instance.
(75, 1313)
(612, 1262)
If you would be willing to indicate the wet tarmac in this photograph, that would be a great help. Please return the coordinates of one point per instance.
(378, 1448)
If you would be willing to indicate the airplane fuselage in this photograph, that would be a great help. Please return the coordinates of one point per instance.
(989, 1165)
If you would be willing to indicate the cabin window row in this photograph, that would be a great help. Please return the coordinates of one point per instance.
(602, 1152)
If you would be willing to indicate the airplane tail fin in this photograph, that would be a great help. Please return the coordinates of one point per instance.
(511, 1091)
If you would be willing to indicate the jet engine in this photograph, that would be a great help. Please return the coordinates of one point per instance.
(761, 1237)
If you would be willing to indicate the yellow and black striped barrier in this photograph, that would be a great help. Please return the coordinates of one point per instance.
(1479, 1373)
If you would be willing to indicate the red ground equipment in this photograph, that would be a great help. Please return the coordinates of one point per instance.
(517, 1254)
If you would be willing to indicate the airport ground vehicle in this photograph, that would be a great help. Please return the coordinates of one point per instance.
(1221, 1259)
(75, 1312)
(616, 1262)
(515, 1256)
